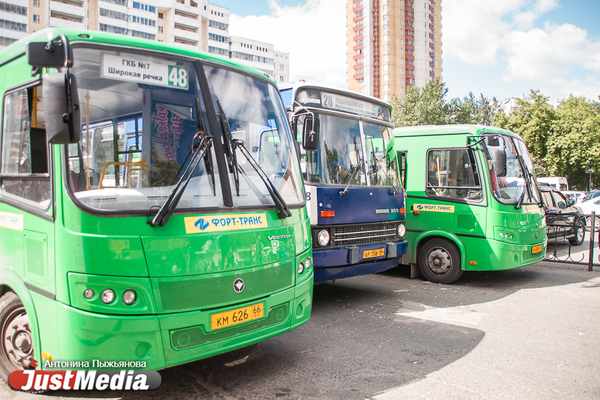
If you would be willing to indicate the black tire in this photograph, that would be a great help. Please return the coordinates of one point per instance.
(579, 233)
(439, 261)
(16, 351)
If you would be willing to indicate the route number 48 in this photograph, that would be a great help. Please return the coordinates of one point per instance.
(178, 77)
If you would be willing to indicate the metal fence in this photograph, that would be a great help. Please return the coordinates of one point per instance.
(561, 234)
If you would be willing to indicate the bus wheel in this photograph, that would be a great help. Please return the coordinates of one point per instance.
(439, 261)
(16, 351)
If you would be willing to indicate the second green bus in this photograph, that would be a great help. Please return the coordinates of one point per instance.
(472, 201)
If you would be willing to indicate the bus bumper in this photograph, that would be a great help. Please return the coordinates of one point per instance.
(352, 261)
(163, 341)
(508, 256)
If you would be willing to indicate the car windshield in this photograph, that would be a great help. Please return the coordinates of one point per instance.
(351, 151)
(510, 170)
(140, 128)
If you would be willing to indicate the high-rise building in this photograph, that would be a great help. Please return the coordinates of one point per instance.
(392, 44)
(195, 23)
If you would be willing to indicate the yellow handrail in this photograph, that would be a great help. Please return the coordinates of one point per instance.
(141, 164)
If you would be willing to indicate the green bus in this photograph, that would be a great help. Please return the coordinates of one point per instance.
(136, 223)
(472, 201)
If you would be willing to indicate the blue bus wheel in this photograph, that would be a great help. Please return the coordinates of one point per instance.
(16, 351)
(439, 261)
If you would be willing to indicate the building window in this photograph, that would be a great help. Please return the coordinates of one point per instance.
(386, 28)
(386, 67)
(386, 78)
(160, 29)
(386, 47)
(160, 15)
(36, 18)
(386, 57)
(36, 3)
(386, 38)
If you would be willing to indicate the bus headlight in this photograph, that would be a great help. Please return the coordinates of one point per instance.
(307, 263)
(107, 296)
(300, 268)
(129, 297)
(323, 237)
(401, 231)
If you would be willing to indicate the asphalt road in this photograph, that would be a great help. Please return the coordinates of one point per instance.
(529, 333)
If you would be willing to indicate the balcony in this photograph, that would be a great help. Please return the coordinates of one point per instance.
(65, 23)
(182, 20)
(67, 9)
(184, 34)
(111, 21)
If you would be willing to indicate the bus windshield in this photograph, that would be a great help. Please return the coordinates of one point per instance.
(139, 132)
(510, 168)
(351, 151)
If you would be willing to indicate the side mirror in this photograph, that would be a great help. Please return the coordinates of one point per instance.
(500, 163)
(310, 134)
(61, 108)
(493, 141)
(571, 202)
(53, 54)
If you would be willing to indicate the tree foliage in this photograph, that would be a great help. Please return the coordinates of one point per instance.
(421, 106)
(562, 140)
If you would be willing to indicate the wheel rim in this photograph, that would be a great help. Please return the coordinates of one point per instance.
(439, 261)
(17, 339)
(580, 233)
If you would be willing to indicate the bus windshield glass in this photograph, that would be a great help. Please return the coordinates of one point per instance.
(351, 151)
(510, 170)
(140, 128)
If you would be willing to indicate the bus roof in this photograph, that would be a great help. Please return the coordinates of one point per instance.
(17, 49)
(302, 85)
(433, 130)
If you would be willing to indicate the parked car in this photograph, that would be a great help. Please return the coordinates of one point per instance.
(576, 195)
(563, 218)
(592, 195)
(587, 207)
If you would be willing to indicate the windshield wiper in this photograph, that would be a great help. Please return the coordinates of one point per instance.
(165, 212)
(282, 208)
(230, 146)
(343, 192)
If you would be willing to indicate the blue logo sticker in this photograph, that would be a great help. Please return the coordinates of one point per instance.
(420, 207)
(201, 224)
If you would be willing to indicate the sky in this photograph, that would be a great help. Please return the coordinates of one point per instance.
(498, 48)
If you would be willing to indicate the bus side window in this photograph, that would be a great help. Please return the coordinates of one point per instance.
(24, 161)
(453, 173)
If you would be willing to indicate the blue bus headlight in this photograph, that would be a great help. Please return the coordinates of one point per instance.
(323, 237)
(401, 231)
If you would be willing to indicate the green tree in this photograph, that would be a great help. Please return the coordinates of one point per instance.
(472, 110)
(421, 106)
(533, 120)
(574, 141)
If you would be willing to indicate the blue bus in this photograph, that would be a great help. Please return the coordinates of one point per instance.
(355, 202)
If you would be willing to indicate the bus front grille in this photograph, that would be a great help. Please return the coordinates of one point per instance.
(207, 291)
(350, 235)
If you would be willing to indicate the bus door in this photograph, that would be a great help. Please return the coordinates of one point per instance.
(454, 200)
(26, 211)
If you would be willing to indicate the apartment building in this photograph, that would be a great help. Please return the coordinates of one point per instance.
(261, 56)
(194, 23)
(392, 45)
